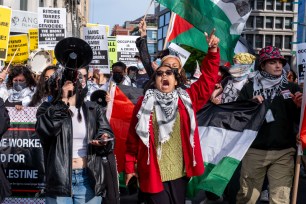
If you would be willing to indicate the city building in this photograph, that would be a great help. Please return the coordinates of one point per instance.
(272, 22)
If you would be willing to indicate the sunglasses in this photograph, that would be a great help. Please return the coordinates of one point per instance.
(168, 72)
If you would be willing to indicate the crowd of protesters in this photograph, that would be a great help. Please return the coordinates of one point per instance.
(163, 139)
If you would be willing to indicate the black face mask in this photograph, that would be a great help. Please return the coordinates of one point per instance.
(118, 77)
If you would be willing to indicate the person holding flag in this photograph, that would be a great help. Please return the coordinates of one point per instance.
(163, 138)
(272, 152)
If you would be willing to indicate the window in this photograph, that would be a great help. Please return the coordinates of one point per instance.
(288, 58)
(252, 4)
(279, 5)
(287, 43)
(24, 5)
(151, 48)
(258, 41)
(161, 21)
(1, 2)
(160, 33)
(167, 18)
(41, 3)
(289, 6)
(288, 23)
(165, 29)
(151, 34)
(269, 22)
(249, 23)
(269, 5)
(260, 4)
(268, 40)
(278, 22)
(249, 39)
(160, 44)
(278, 41)
(259, 21)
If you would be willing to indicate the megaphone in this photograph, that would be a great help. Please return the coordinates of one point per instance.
(99, 97)
(72, 53)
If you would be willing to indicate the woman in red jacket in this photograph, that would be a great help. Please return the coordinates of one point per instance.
(163, 138)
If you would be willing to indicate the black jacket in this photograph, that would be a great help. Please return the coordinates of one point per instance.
(281, 133)
(4, 125)
(55, 130)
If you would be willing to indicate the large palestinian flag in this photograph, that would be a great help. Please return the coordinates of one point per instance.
(204, 15)
(226, 133)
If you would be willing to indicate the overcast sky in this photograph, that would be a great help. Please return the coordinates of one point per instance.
(111, 12)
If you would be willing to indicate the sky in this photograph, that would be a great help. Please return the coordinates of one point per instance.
(111, 12)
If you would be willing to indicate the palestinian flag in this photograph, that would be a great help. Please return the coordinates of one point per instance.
(119, 113)
(226, 133)
(302, 148)
(204, 15)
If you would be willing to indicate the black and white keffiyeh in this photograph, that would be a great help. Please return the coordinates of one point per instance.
(268, 85)
(166, 108)
(24, 96)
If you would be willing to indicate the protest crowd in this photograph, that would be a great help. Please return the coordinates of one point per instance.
(227, 133)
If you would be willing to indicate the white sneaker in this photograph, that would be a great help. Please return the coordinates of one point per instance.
(264, 196)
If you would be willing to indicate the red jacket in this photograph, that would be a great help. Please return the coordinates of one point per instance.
(137, 152)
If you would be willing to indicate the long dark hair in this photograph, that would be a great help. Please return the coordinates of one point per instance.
(43, 88)
(17, 70)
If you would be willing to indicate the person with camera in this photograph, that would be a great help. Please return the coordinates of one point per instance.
(76, 137)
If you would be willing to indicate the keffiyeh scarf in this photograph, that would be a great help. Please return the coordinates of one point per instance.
(166, 108)
(268, 85)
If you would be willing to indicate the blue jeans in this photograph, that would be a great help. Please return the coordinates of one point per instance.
(81, 191)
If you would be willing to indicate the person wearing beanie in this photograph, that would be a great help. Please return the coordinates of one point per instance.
(272, 152)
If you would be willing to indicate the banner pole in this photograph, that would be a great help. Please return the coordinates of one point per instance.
(12, 59)
(144, 18)
(169, 26)
(296, 179)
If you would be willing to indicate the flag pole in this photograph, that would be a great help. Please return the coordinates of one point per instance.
(12, 59)
(168, 30)
(144, 18)
(296, 175)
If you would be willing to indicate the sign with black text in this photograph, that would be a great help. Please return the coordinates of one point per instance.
(22, 21)
(21, 152)
(96, 37)
(126, 49)
(301, 61)
(51, 27)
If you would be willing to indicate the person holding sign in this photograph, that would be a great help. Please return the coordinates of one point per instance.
(272, 152)
(21, 87)
(163, 140)
(76, 137)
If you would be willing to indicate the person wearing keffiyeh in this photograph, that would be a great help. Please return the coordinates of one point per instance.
(272, 152)
(163, 140)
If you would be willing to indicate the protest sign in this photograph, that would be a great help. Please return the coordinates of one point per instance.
(21, 42)
(51, 27)
(5, 23)
(112, 50)
(21, 152)
(126, 49)
(301, 61)
(33, 39)
(180, 52)
(96, 38)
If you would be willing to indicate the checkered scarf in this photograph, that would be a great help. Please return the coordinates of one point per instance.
(166, 107)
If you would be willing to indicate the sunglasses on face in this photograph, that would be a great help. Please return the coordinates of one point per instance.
(168, 72)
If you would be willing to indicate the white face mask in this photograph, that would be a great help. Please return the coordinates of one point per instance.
(140, 65)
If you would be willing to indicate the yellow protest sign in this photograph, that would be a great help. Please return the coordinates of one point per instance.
(112, 50)
(5, 24)
(33, 38)
(54, 61)
(22, 55)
